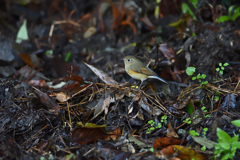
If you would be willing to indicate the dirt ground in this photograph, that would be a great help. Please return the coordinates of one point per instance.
(65, 94)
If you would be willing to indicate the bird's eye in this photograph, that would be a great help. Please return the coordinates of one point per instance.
(129, 60)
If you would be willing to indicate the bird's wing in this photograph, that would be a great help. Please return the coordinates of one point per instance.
(143, 70)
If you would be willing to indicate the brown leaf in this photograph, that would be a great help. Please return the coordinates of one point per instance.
(166, 141)
(86, 135)
(102, 75)
(146, 20)
(103, 104)
(61, 97)
(53, 107)
(114, 134)
(26, 58)
(38, 83)
(182, 153)
(171, 132)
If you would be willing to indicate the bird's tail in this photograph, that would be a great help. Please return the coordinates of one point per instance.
(156, 77)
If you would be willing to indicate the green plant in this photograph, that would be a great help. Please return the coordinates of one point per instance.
(236, 123)
(220, 69)
(191, 70)
(233, 14)
(204, 132)
(226, 146)
(67, 56)
(164, 119)
(204, 111)
(151, 149)
(186, 9)
(187, 120)
(216, 97)
(154, 126)
(193, 133)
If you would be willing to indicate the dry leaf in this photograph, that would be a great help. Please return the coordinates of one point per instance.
(102, 75)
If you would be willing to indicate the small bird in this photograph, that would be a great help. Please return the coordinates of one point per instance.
(137, 70)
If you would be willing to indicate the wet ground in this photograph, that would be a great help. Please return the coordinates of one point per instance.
(65, 94)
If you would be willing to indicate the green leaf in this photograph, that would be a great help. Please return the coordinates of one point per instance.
(205, 129)
(204, 76)
(194, 3)
(223, 136)
(217, 69)
(164, 117)
(198, 76)
(203, 148)
(67, 57)
(204, 142)
(151, 122)
(185, 8)
(159, 125)
(193, 133)
(236, 10)
(194, 78)
(222, 68)
(225, 145)
(190, 70)
(206, 82)
(151, 129)
(177, 23)
(236, 144)
(223, 19)
(225, 64)
(225, 156)
(22, 33)
(221, 72)
(216, 98)
(236, 122)
(230, 9)
(234, 139)
(190, 108)
(220, 64)
(235, 16)
(151, 149)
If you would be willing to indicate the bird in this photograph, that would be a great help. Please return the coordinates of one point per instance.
(137, 70)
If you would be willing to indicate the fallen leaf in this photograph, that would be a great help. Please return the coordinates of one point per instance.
(26, 58)
(204, 142)
(61, 97)
(53, 107)
(86, 135)
(90, 31)
(181, 152)
(102, 75)
(171, 132)
(166, 141)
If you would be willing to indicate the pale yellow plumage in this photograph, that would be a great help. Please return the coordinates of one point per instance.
(137, 70)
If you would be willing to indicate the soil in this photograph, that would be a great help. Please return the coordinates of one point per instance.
(64, 92)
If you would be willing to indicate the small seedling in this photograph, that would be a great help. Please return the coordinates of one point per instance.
(164, 119)
(220, 69)
(186, 9)
(216, 97)
(151, 149)
(233, 14)
(67, 56)
(204, 132)
(154, 126)
(191, 70)
(204, 111)
(226, 146)
(193, 133)
(187, 121)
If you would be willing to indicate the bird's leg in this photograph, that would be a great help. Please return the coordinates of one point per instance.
(140, 84)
